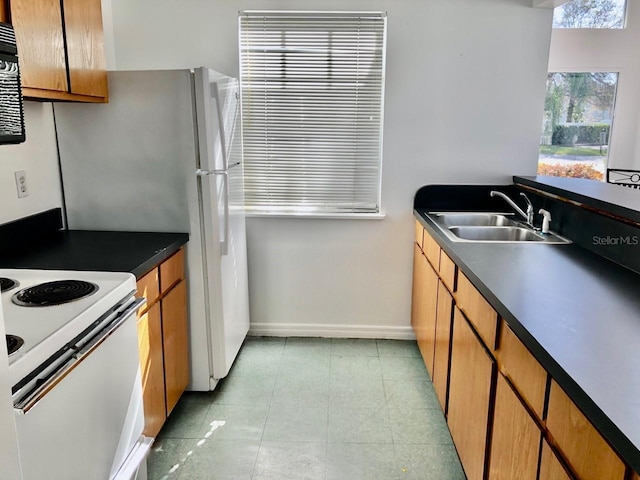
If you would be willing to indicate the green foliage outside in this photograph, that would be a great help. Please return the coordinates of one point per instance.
(580, 134)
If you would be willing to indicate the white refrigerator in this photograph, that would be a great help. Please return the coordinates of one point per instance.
(164, 155)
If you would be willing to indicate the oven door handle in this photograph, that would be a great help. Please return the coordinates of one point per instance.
(25, 404)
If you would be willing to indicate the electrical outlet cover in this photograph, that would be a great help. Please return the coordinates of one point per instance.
(21, 184)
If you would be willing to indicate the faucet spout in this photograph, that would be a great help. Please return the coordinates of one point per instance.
(528, 215)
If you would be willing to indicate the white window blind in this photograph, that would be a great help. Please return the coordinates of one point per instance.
(312, 88)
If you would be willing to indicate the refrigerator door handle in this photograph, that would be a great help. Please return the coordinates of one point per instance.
(203, 173)
(224, 245)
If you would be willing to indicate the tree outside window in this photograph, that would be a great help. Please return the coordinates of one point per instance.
(578, 116)
(590, 14)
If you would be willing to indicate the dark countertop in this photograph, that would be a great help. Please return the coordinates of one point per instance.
(620, 201)
(578, 313)
(135, 252)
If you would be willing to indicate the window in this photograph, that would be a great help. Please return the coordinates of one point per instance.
(576, 127)
(312, 88)
(590, 14)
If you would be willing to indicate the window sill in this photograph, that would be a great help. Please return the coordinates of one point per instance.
(321, 216)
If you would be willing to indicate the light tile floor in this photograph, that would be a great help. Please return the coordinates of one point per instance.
(307, 409)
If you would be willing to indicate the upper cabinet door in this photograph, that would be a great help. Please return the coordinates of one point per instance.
(38, 27)
(85, 47)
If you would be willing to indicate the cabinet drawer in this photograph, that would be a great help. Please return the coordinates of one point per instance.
(172, 271)
(419, 234)
(431, 251)
(447, 271)
(512, 425)
(518, 365)
(587, 453)
(550, 466)
(480, 314)
(149, 288)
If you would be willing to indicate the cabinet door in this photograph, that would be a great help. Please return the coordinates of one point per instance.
(470, 384)
(443, 337)
(522, 369)
(587, 453)
(423, 310)
(550, 466)
(175, 343)
(38, 27)
(152, 370)
(515, 438)
(85, 47)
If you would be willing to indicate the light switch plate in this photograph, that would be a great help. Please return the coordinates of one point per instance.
(21, 184)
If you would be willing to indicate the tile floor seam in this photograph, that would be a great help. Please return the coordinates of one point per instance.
(264, 426)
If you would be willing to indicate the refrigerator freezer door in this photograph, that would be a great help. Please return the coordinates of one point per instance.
(222, 213)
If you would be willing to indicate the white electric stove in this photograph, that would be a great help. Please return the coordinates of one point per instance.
(75, 373)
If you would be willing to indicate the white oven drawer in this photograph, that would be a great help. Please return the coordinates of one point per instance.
(86, 425)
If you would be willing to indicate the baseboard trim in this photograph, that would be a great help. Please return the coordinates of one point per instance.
(330, 331)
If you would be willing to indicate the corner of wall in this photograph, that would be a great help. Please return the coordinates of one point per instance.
(38, 158)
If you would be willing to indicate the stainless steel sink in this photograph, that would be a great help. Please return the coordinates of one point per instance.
(474, 219)
(489, 228)
(497, 234)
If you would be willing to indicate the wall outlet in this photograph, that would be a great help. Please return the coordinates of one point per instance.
(21, 184)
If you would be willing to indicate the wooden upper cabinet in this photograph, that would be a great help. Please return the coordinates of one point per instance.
(513, 426)
(38, 28)
(4, 15)
(85, 47)
(470, 385)
(586, 452)
(60, 49)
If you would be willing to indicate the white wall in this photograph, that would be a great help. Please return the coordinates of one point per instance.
(585, 50)
(38, 157)
(464, 95)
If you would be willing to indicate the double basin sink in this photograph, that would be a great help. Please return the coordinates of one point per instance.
(489, 227)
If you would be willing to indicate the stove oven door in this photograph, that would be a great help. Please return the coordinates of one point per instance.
(86, 421)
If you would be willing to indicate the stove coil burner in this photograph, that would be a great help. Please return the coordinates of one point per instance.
(54, 293)
(14, 343)
(7, 284)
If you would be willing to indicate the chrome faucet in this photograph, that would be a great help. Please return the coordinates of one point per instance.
(530, 212)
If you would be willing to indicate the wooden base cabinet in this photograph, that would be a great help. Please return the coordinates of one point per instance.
(163, 341)
(152, 370)
(515, 438)
(175, 344)
(444, 317)
(423, 309)
(470, 384)
(550, 466)
(586, 452)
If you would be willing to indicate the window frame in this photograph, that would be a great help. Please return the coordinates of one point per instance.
(325, 212)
